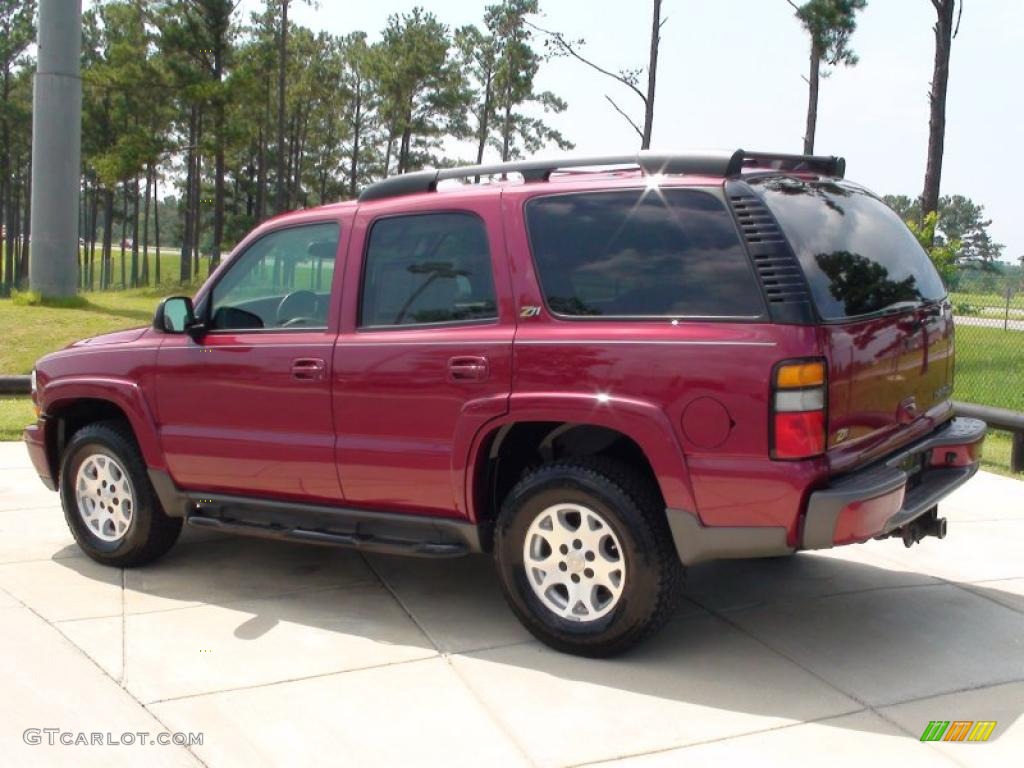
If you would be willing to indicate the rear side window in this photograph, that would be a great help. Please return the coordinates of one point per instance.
(431, 268)
(641, 253)
(858, 256)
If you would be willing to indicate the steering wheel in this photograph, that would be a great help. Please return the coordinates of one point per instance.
(299, 321)
(296, 305)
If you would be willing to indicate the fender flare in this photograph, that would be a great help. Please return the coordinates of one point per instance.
(644, 423)
(125, 394)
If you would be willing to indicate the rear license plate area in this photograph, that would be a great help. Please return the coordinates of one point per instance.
(913, 465)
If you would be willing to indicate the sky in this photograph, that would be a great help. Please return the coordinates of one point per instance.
(731, 74)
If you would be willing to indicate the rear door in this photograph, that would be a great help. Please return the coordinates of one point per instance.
(424, 359)
(887, 326)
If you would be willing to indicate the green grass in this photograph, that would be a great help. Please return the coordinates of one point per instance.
(170, 266)
(996, 454)
(28, 329)
(987, 304)
(15, 414)
(990, 367)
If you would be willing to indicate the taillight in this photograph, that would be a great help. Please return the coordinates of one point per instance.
(798, 409)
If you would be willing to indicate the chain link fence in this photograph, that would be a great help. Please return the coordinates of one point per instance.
(988, 308)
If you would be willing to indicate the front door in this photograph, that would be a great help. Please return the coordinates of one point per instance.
(424, 357)
(247, 408)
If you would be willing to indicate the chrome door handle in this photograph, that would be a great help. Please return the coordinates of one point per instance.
(308, 369)
(468, 368)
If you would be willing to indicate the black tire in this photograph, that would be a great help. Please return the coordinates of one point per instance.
(150, 532)
(629, 505)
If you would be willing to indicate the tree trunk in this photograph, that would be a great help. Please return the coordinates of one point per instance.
(5, 190)
(812, 99)
(652, 75)
(506, 132)
(388, 152)
(94, 220)
(27, 221)
(15, 229)
(185, 267)
(83, 224)
(156, 227)
(281, 203)
(145, 226)
(124, 231)
(197, 197)
(261, 177)
(403, 149)
(135, 233)
(353, 168)
(218, 171)
(106, 265)
(937, 101)
(485, 119)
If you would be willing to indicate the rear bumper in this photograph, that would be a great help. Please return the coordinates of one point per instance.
(888, 494)
(35, 441)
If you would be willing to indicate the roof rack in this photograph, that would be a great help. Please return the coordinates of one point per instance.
(714, 163)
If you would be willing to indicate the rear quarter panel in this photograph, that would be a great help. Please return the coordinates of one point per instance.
(693, 394)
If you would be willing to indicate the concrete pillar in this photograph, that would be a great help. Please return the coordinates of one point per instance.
(56, 150)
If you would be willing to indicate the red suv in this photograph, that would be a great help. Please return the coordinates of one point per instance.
(600, 372)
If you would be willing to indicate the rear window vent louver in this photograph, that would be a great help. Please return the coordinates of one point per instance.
(777, 267)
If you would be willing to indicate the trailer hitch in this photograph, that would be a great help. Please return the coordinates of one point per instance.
(928, 524)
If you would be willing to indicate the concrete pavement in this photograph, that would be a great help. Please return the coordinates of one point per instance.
(284, 655)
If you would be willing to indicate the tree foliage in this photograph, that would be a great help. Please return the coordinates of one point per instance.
(830, 25)
(959, 225)
(200, 121)
(559, 44)
(943, 253)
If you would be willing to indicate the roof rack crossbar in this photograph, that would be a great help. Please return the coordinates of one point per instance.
(711, 163)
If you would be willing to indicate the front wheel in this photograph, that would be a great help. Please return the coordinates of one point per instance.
(586, 558)
(108, 501)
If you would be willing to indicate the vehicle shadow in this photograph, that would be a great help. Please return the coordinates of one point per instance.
(794, 638)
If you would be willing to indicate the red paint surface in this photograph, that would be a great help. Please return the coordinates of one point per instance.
(862, 520)
(387, 427)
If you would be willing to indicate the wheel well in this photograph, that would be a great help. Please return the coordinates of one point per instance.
(514, 449)
(66, 419)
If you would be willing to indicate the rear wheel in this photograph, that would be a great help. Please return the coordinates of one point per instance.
(586, 558)
(108, 501)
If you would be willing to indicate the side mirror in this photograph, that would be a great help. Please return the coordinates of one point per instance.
(176, 315)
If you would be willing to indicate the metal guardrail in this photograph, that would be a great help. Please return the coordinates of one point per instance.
(15, 385)
(997, 418)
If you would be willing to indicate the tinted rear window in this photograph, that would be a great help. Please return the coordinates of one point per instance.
(641, 253)
(858, 256)
(427, 268)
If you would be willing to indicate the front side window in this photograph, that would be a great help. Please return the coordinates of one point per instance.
(283, 280)
(428, 268)
(641, 253)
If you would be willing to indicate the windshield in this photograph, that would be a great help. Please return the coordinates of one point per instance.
(858, 256)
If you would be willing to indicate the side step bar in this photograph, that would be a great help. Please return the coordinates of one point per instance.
(361, 542)
(381, 532)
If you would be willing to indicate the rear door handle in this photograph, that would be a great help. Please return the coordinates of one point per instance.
(468, 368)
(308, 369)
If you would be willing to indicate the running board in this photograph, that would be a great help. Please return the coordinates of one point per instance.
(379, 532)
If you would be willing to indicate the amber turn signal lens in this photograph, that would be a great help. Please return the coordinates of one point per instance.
(800, 375)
